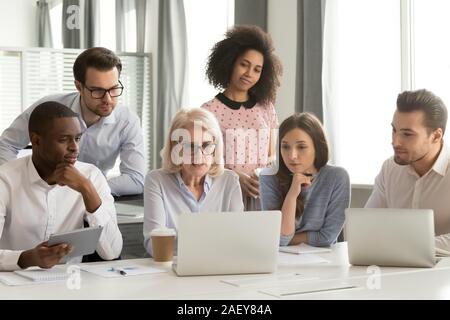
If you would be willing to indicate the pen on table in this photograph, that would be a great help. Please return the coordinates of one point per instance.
(122, 272)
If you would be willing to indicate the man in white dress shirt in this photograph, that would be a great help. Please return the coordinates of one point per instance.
(418, 175)
(50, 192)
(109, 130)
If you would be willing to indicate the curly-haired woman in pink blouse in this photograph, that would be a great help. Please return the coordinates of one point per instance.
(244, 66)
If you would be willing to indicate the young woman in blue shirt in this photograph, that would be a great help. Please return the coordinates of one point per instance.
(311, 194)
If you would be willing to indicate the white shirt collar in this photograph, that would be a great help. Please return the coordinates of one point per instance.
(441, 163)
(32, 172)
(439, 166)
(76, 107)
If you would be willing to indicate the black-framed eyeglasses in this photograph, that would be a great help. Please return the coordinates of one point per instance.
(207, 148)
(99, 93)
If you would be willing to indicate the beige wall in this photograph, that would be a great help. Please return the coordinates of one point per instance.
(18, 23)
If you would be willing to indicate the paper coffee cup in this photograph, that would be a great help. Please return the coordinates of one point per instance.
(162, 244)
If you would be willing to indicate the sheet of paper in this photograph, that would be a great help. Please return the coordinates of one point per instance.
(131, 215)
(267, 280)
(287, 259)
(109, 271)
(129, 210)
(304, 248)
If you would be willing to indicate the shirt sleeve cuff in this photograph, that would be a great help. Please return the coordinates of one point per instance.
(285, 239)
(316, 240)
(99, 217)
(10, 260)
(313, 239)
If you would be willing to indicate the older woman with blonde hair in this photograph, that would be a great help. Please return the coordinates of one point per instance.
(192, 178)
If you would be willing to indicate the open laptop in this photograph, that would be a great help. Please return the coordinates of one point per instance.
(227, 243)
(390, 237)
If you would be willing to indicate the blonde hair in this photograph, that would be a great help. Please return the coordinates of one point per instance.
(185, 119)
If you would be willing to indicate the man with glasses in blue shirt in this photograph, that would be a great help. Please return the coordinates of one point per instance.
(109, 130)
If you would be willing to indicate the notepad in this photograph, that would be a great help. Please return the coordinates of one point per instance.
(304, 248)
(43, 274)
(13, 279)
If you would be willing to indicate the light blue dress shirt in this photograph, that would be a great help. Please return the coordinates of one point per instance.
(326, 200)
(118, 134)
(166, 197)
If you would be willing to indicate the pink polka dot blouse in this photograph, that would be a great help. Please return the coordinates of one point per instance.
(246, 132)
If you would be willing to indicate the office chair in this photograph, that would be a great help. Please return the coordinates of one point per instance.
(341, 237)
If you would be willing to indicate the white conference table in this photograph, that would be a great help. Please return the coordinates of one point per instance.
(394, 283)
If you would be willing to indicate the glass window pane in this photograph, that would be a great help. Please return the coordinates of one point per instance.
(206, 23)
(432, 47)
(362, 78)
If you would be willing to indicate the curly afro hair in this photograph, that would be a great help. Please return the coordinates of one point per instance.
(238, 40)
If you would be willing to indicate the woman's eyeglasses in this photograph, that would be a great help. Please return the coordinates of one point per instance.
(207, 148)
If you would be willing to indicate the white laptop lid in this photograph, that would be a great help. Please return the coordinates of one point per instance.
(228, 243)
(390, 237)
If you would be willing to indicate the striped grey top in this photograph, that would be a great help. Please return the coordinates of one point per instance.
(326, 199)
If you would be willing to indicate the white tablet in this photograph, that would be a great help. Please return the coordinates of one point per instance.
(84, 241)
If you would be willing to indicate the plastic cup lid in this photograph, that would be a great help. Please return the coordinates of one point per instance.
(163, 232)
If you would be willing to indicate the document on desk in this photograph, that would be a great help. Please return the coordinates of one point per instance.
(264, 281)
(301, 289)
(304, 248)
(129, 210)
(287, 259)
(108, 271)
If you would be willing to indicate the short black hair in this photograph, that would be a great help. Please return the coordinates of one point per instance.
(430, 104)
(237, 41)
(98, 58)
(43, 115)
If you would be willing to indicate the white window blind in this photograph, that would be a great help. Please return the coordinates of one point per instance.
(30, 74)
(46, 72)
